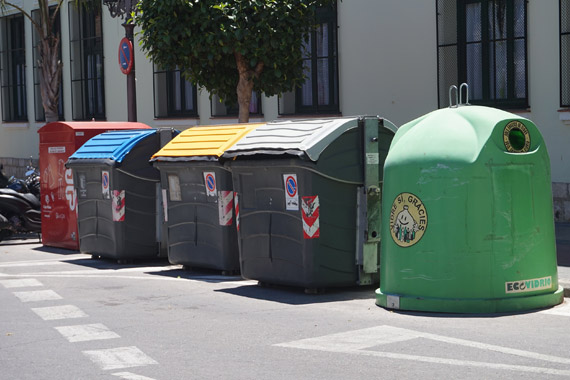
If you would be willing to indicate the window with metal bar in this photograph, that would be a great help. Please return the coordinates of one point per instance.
(319, 93)
(483, 43)
(220, 109)
(174, 96)
(38, 105)
(565, 53)
(87, 71)
(13, 69)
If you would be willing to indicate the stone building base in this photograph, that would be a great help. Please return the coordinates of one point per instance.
(561, 198)
(17, 166)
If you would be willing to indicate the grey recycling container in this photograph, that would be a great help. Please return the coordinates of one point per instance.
(198, 197)
(118, 194)
(308, 200)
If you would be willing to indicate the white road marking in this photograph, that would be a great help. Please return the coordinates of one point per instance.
(84, 333)
(37, 295)
(121, 357)
(59, 312)
(562, 309)
(117, 270)
(357, 342)
(21, 283)
(32, 263)
(81, 270)
(157, 277)
(131, 376)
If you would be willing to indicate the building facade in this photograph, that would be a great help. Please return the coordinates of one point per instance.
(391, 58)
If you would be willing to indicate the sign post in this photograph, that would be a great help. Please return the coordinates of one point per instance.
(127, 66)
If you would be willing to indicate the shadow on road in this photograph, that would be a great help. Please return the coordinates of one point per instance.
(297, 296)
(198, 274)
(58, 251)
(427, 314)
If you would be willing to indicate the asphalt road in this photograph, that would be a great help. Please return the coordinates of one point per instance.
(64, 315)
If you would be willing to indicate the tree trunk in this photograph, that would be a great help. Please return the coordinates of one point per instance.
(245, 85)
(50, 76)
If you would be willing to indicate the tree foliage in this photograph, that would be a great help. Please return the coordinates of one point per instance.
(230, 47)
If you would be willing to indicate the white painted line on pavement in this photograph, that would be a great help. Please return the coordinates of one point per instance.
(21, 283)
(131, 376)
(461, 363)
(32, 263)
(562, 309)
(356, 342)
(121, 357)
(37, 295)
(116, 270)
(84, 333)
(59, 312)
(156, 277)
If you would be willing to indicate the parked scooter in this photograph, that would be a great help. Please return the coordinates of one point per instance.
(20, 204)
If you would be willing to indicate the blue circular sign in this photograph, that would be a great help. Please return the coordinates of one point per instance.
(291, 186)
(126, 56)
(210, 182)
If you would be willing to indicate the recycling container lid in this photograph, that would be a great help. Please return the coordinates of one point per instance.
(304, 138)
(111, 147)
(203, 143)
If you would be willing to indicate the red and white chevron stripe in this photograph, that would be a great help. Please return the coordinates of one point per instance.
(236, 202)
(118, 201)
(310, 210)
(225, 207)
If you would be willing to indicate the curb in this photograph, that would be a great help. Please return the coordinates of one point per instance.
(566, 286)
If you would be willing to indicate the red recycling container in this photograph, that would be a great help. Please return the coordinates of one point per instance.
(58, 141)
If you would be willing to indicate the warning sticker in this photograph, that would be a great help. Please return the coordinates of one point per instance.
(174, 188)
(291, 193)
(105, 185)
(82, 185)
(118, 206)
(210, 182)
(225, 207)
(236, 203)
(310, 208)
(164, 205)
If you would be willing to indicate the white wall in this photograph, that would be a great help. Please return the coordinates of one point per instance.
(387, 58)
(544, 84)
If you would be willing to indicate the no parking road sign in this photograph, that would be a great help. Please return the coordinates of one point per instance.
(126, 56)
(291, 193)
(210, 182)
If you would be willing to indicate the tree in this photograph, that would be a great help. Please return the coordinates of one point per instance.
(231, 47)
(49, 63)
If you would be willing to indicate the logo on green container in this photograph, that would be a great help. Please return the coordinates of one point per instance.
(516, 137)
(528, 285)
(408, 219)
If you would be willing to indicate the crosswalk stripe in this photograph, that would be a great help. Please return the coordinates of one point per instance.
(131, 376)
(21, 283)
(59, 312)
(32, 263)
(121, 357)
(84, 333)
(37, 295)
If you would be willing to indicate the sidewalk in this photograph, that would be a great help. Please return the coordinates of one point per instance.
(563, 255)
